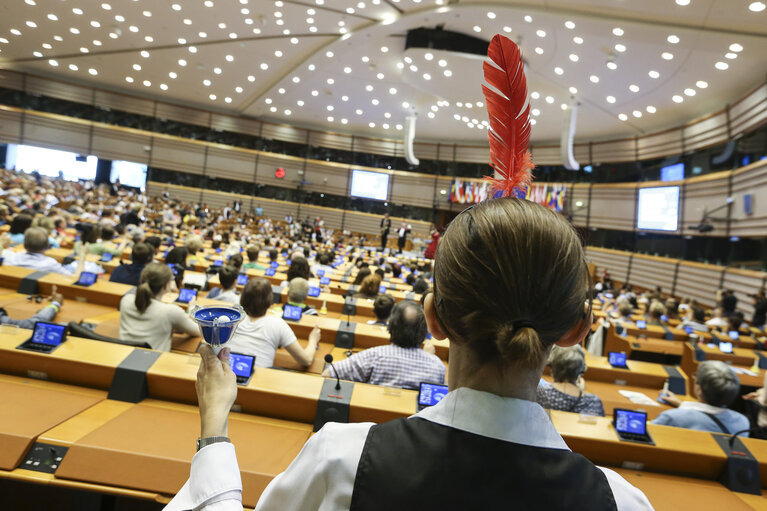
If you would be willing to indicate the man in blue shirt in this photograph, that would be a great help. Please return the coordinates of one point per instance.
(141, 255)
(716, 386)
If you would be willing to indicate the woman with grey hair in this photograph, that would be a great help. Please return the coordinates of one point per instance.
(716, 386)
(568, 392)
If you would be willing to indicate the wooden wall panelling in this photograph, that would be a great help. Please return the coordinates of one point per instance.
(183, 114)
(330, 140)
(545, 154)
(57, 132)
(614, 151)
(649, 271)
(268, 163)
(230, 163)
(616, 262)
(612, 206)
(657, 145)
(698, 281)
(750, 111)
(182, 193)
(10, 125)
(426, 151)
(283, 132)
(705, 132)
(124, 103)
(581, 153)
(705, 193)
(578, 192)
(58, 89)
(476, 154)
(330, 178)
(378, 146)
(749, 180)
(121, 145)
(412, 190)
(11, 80)
(235, 124)
(178, 154)
(443, 183)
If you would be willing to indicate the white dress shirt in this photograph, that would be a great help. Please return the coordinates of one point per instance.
(322, 476)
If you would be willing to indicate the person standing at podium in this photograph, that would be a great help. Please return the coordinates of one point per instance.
(385, 228)
(510, 282)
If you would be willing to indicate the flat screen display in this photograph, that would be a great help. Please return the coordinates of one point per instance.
(658, 208)
(672, 172)
(48, 333)
(242, 279)
(370, 185)
(325, 281)
(242, 365)
(87, 279)
(218, 262)
(725, 347)
(291, 312)
(431, 393)
(320, 273)
(129, 173)
(270, 272)
(734, 334)
(106, 257)
(641, 324)
(186, 295)
(616, 359)
(314, 291)
(628, 421)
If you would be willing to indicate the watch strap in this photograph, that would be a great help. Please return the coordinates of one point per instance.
(204, 442)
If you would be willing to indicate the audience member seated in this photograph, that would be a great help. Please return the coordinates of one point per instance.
(672, 308)
(235, 260)
(100, 240)
(755, 408)
(695, 318)
(145, 318)
(323, 263)
(298, 290)
(400, 364)
(36, 243)
(141, 255)
(369, 288)
(361, 275)
(568, 392)
(625, 310)
(382, 307)
(717, 319)
(716, 386)
(19, 226)
(46, 314)
(735, 321)
(420, 286)
(179, 255)
(760, 310)
(261, 334)
(252, 264)
(655, 314)
(227, 276)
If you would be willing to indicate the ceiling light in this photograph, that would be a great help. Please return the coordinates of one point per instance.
(77, 11)
(540, 33)
(736, 47)
(212, 97)
(491, 15)
(654, 74)
(296, 79)
(147, 83)
(623, 117)
(182, 62)
(251, 78)
(380, 76)
(610, 99)
(147, 14)
(594, 79)
(536, 112)
(689, 92)
(73, 30)
(677, 99)
(238, 90)
(175, 7)
(208, 3)
(683, 2)
(477, 28)
(264, 66)
(574, 57)
(278, 53)
(136, 67)
(311, 67)
(369, 88)
(30, 2)
(507, 29)
(106, 7)
(405, 104)
(217, 70)
(620, 48)
(569, 24)
(539, 50)
(442, 63)
(133, 28)
(164, 86)
(651, 109)
(129, 79)
(145, 54)
(634, 88)
(315, 93)
(331, 118)
(206, 82)
(558, 70)
(618, 31)
(17, 32)
(447, 73)
(330, 81)
(300, 102)
(53, 63)
(534, 95)
(549, 100)
(611, 65)
(358, 111)
(529, 19)
(330, 108)
(293, 40)
(701, 84)
(426, 76)
(731, 56)
(273, 109)
(384, 49)
(392, 91)
(757, 6)
(187, 21)
(37, 54)
(372, 125)
(573, 90)
(268, 101)
(431, 115)
(173, 75)
(192, 49)
(672, 39)
(428, 56)
(721, 66)
(413, 68)
(578, 40)
(84, 50)
(637, 114)
(281, 90)
(667, 56)
(375, 102)
(229, 58)
(31, 24)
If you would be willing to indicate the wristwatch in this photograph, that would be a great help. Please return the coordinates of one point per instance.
(204, 442)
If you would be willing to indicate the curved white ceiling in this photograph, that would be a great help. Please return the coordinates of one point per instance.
(340, 65)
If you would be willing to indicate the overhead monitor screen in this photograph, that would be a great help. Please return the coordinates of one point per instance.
(672, 172)
(129, 173)
(50, 162)
(658, 208)
(370, 185)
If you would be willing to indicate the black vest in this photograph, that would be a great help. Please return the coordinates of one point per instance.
(420, 465)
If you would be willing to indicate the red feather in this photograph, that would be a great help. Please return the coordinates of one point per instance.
(509, 114)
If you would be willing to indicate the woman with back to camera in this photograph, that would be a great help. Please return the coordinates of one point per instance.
(510, 282)
(568, 392)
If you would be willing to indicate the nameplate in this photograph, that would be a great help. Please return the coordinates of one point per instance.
(129, 383)
(333, 404)
(29, 284)
(675, 380)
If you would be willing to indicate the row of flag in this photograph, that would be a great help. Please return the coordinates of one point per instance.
(551, 195)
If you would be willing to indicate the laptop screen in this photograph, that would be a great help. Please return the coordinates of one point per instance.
(185, 295)
(48, 333)
(431, 393)
(641, 323)
(242, 279)
(616, 358)
(106, 257)
(314, 291)
(218, 262)
(270, 272)
(242, 365)
(734, 334)
(291, 312)
(87, 278)
(725, 347)
(325, 281)
(629, 421)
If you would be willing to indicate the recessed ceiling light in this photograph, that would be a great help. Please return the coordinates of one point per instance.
(375, 102)
(372, 124)
(683, 2)
(701, 84)
(610, 99)
(212, 97)
(296, 79)
(672, 39)
(217, 70)
(677, 99)
(268, 101)
(731, 56)
(238, 90)
(736, 47)
(53, 17)
(569, 24)
(106, 7)
(344, 121)
(558, 70)
(623, 117)
(53, 63)
(73, 30)
(358, 111)
(311, 67)
(689, 92)
(477, 28)
(278, 53)
(300, 102)
(573, 57)
(431, 115)
(573, 90)
(129, 79)
(344, 98)
(315, 93)
(229, 58)
(384, 49)
(37, 54)
(654, 74)
(264, 66)
(136, 67)
(578, 40)
(164, 86)
(330, 81)
(281, 90)
(506, 29)
(77, 11)
(667, 56)
(426, 76)
(533, 122)
(133, 28)
(618, 31)
(15, 31)
(535, 112)
(173, 75)
(187, 21)
(149, 38)
(330, 108)
(251, 78)
(31, 24)
(30, 2)
(549, 100)
(447, 73)
(294, 40)
(145, 54)
(637, 114)
(491, 15)
(414, 68)
(84, 50)
(181, 62)
(529, 19)
(380, 76)
(634, 88)
(192, 49)
(331, 118)
(272, 108)
(175, 7)
(721, 66)
(757, 6)
(651, 109)
(620, 48)
(534, 95)
(540, 33)
(539, 50)
(147, 83)
(59, 38)
(611, 65)
(206, 82)
(594, 79)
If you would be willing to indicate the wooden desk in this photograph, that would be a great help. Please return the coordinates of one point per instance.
(31, 407)
(18, 306)
(640, 374)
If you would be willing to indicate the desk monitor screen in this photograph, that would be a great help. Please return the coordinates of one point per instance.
(242, 366)
(242, 279)
(382, 289)
(725, 347)
(270, 272)
(274, 264)
(173, 269)
(664, 318)
(218, 262)
(689, 329)
(291, 312)
(219, 250)
(734, 334)
(630, 422)
(186, 295)
(641, 324)
(325, 281)
(314, 291)
(320, 273)
(106, 257)
(617, 359)
(431, 393)
(86, 279)
(48, 333)
(609, 296)
(288, 262)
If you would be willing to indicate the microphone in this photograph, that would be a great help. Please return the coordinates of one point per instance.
(732, 437)
(329, 360)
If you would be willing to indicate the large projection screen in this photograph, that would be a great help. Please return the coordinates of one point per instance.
(370, 185)
(658, 208)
